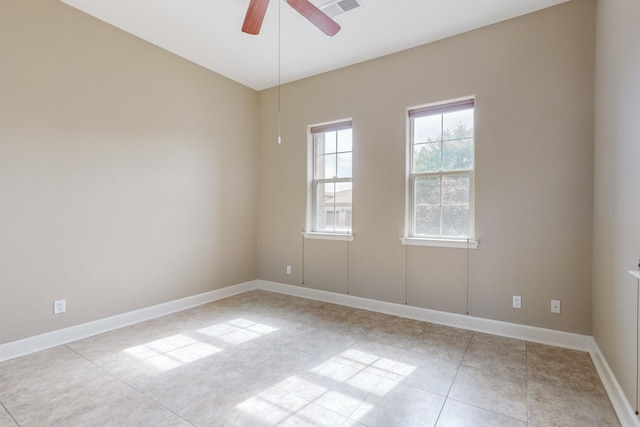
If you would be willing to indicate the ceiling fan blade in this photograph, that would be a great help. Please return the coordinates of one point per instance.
(254, 17)
(315, 16)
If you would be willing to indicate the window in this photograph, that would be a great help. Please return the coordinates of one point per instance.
(440, 179)
(331, 184)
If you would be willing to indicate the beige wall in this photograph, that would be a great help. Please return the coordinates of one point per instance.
(616, 191)
(533, 82)
(130, 177)
(127, 174)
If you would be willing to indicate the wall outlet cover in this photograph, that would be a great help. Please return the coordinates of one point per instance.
(517, 301)
(59, 306)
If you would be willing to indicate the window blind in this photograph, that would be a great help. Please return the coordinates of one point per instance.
(332, 127)
(441, 109)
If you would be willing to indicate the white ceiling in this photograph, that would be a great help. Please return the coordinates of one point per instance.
(208, 33)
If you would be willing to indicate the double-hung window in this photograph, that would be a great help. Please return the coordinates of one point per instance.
(440, 178)
(331, 183)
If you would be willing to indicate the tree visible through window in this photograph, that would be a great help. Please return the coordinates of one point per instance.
(441, 175)
(332, 177)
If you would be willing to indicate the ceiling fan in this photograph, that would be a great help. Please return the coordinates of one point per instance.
(258, 8)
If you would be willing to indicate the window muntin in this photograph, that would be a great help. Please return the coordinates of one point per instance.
(441, 171)
(332, 178)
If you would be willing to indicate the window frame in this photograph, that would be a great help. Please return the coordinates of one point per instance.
(313, 183)
(411, 237)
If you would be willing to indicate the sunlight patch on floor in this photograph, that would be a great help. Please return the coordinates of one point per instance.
(338, 385)
(237, 331)
(170, 352)
(177, 350)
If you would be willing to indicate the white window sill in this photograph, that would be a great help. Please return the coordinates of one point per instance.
(440, 243)
(328, 236)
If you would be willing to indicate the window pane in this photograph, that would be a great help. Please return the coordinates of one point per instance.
(329, 194)
(427, 191)
(325, 195)
(329, 166)
(325, 166)
(455, 221)
(427, 201)
(318, 141)
(442, 150)
(344, 165)
(455, 190)
(333, 207)
(332, 216)
(333, 161)
(427, 129)
(343, 188)
(318, 168)
(331, 210)
(458, 125)
(342, 206)
(329, 142)
(427, 157)
(427, 220)
(344, 140)
(457, 154)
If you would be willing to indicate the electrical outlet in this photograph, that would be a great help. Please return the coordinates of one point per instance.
(288, 269)
(555, 306)
(517, 301)
(59, 306)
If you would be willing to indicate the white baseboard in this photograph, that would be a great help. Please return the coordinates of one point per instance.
(621, 405)
(495, 327)
(47, 340)
(618, 399)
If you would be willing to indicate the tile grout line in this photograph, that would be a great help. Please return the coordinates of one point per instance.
(307, 402)
(127, 384)
(9, 413)
(291, 414)
(482, 408)
(489, 410)
(368, 393)
(306, 405)
(446, 398)
(408, 349)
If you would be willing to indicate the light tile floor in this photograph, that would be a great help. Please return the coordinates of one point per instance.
(261, 359)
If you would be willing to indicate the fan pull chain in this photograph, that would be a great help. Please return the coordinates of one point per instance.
(279, 76)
